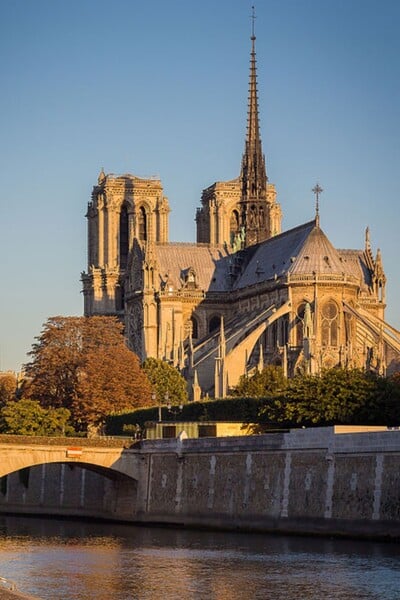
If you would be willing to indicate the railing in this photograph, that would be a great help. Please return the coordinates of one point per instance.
(8, 584)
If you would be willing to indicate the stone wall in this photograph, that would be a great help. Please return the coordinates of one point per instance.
(306, 481)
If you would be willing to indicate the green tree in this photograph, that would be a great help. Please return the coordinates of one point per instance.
(83, 364)
(27, 417)
(165, 379)
(269, 382)
(8, 386)
(341, 396)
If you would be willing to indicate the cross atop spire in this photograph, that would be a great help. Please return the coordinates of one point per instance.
(317, 189)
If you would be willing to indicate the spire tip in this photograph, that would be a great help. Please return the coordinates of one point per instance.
(253, 18)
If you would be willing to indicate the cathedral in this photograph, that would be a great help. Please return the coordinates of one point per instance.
(245, 294)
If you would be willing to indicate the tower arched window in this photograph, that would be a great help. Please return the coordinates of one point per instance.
(329, 324)
(123, 237)
(261, 217)
(234, 223)
(142, 224)
(252, 221)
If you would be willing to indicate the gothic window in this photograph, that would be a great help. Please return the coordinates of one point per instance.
(349, 327)
(195, 328)
(252, 216)
(123, 237)
(214, 323)
(234, 223)
(329, 324)
(299, 323)
(261, 216)
(142, 222)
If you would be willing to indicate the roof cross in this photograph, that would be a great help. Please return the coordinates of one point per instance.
(317, 189)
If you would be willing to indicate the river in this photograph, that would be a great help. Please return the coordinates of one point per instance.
(72, 560)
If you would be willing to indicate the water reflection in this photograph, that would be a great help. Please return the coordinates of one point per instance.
(69, 560)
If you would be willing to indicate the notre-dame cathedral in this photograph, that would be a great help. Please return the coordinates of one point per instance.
(245, 294)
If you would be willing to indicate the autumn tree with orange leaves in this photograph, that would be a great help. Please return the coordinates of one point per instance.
(83, 364)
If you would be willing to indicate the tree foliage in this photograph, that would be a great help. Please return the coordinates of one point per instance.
(165, 379)
(83, 364)
(27, 417)
(338, 396)
(8, 387)
(269, 382)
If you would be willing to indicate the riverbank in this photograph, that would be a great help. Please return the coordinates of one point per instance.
(15, 595)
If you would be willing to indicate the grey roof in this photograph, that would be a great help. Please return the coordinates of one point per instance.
(275, 256)
(304, 250)
(207, 262)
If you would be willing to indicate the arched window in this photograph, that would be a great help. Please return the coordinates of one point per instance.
(120, 297)
(123, 237)
(299, 323)
(252, 220)
(142, 228)
(329, 324)
(214, 323)
(261, 217)
(195, 328)
(234, 223)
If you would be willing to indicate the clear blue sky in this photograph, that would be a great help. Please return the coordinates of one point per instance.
(160, 87)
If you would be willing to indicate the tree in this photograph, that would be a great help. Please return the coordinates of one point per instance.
(110, 382)
(341, 396)
(27, 417)
(269, 382)
(165, 379)
(8, 387)
(83, 364)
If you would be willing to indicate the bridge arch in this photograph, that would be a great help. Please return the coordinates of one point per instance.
(69, 480)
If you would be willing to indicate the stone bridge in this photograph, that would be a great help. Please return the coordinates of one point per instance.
(117, 457)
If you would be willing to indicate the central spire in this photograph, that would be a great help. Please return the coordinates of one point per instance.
(253, 173)
(253, 176)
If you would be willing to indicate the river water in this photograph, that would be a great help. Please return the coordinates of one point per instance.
(71, 560)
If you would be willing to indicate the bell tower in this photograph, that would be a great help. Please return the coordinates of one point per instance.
(124, 210)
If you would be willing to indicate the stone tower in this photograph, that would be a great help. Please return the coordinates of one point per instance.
(243, 211)
(123, 209)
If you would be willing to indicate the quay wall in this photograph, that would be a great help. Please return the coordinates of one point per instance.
(311, 481)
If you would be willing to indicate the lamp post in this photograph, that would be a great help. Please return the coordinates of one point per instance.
(171, 410)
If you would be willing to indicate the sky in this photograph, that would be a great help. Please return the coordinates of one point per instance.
(160, 88)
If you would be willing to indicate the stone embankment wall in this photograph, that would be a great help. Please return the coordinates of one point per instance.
(306, 481)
